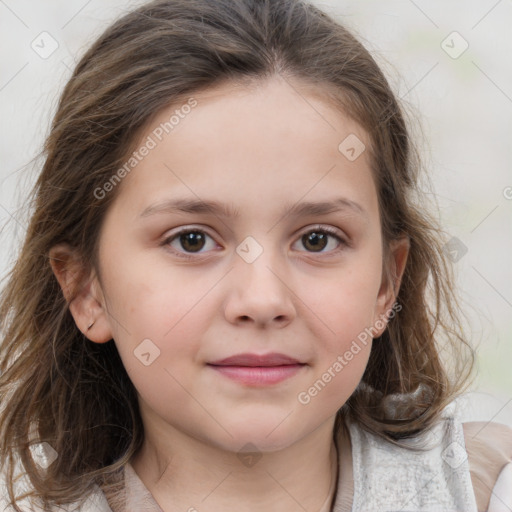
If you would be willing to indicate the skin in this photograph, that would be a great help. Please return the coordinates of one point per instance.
(259, 149)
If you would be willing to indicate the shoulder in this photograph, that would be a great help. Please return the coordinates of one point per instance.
(489, 449)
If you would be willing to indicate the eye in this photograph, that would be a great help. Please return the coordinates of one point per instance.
(318, 238)
(189, 240)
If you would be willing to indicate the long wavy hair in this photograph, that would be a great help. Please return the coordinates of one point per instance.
(56, 386)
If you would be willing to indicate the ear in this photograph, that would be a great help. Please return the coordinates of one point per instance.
(82, 292)
(391, 279)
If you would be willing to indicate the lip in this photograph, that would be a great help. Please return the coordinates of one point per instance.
(258, 376)
(257, 370)
(247, 359)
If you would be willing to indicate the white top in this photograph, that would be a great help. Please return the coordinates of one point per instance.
(391, 478)
(386, 477)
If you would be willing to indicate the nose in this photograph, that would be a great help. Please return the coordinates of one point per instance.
(259, 293)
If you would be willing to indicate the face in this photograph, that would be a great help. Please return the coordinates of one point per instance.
(260, 271)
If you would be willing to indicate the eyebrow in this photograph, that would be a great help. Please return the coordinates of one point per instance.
(184, 205)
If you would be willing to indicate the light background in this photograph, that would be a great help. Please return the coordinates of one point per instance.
(463, 103)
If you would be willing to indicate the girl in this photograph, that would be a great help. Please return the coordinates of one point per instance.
(227, 298)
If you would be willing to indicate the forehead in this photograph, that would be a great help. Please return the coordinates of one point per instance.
(271, 140)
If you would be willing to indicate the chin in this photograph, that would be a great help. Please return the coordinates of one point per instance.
(260, 436)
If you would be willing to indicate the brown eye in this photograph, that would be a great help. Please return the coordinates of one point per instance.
(193, 241)
(315, 241)
(189, 242)
(318, 240)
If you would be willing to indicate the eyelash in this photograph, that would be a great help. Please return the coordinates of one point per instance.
(317, 229)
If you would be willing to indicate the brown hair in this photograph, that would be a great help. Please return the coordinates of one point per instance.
(57, 387)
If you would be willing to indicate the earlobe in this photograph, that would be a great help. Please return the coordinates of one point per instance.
(82, 293)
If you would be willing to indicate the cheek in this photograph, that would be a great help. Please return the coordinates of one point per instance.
(342, 307)
(342, 352)
(160, 352)
(155, 300)
(157, 318)
(344, 300)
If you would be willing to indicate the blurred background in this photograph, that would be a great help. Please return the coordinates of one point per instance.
(448, 62)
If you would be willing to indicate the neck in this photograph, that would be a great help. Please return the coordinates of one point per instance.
(195, 476)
